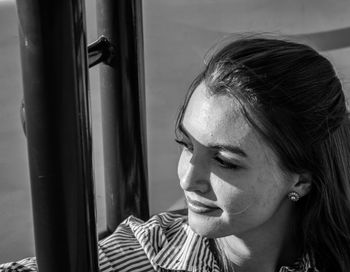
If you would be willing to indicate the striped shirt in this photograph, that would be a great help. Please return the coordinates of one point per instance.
(165, 242)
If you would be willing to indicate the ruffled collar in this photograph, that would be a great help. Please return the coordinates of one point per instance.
(188, 251)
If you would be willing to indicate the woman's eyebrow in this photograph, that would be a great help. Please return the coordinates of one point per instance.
(221, 147)
(230, 148)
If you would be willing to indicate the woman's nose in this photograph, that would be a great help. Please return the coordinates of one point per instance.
(195, 177)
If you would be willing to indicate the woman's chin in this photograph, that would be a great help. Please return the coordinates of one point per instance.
(208, 226)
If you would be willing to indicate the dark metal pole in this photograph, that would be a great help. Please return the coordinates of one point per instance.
(55, 81)
(101, 51)
(123, 111)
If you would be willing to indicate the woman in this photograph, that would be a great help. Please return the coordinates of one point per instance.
(265, 169)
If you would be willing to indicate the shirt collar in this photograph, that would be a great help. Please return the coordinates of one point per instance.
(187, 251)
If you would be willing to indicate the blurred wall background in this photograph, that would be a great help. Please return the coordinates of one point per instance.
(177, 34)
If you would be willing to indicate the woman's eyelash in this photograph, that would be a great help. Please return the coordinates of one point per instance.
(221, 162)
(225, 164)
(184, 144)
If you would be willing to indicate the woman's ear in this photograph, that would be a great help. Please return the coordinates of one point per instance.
(302, 184)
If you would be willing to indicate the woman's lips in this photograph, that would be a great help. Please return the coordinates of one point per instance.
(199, 207)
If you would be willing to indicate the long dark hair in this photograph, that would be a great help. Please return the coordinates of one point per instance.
(292, 96)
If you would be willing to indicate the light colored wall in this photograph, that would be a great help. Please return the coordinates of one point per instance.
(15, 221)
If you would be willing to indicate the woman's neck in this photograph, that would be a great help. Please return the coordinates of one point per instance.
(267, 248)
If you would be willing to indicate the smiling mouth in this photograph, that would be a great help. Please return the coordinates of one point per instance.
(199, 207)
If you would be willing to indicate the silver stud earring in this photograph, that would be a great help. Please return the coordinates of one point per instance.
(294, 196)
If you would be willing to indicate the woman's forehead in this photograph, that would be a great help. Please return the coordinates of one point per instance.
(214, 114)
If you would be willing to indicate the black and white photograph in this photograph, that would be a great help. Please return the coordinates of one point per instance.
(174, 135)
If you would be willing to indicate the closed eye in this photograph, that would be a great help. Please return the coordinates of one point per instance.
(221, 162)
(225, 164)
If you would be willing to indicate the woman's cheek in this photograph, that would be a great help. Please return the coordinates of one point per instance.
(233, 188)
(241, 205)
(181, 166)
(230, 197)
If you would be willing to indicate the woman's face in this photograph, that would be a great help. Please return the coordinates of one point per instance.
(230, 177)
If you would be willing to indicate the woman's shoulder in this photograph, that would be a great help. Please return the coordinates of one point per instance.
(133, 228)
(24, 265)
(162, 220)
(135, 244)
(165, 223)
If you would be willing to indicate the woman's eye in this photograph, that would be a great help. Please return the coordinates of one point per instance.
(184, 145)
(225, 164)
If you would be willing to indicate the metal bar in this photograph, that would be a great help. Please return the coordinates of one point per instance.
(55, 80)
(99, 51)
(123, 111)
